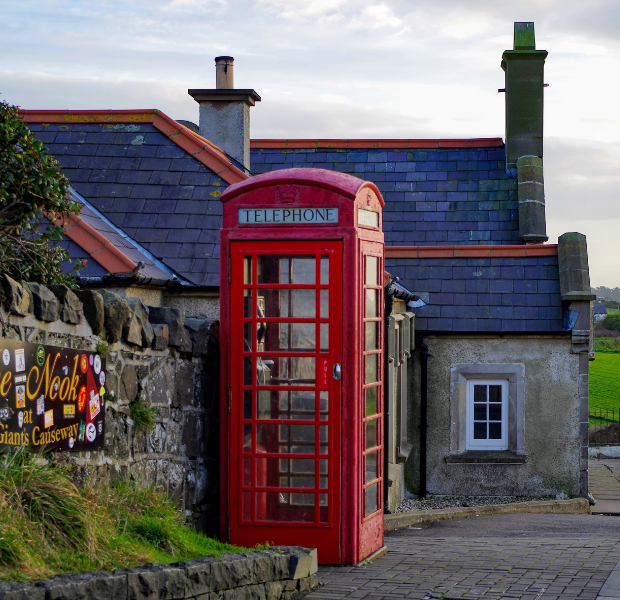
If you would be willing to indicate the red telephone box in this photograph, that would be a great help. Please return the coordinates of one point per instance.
(302, 368)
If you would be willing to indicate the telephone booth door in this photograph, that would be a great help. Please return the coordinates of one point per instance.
(285, 340)
(302, 369)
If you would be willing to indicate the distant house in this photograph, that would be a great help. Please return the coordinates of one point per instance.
(464, 224)
(599, 311)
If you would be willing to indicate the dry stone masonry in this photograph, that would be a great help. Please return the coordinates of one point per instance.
(153, 355)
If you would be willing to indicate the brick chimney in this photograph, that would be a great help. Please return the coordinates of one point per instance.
(524, 69)
(225, 112)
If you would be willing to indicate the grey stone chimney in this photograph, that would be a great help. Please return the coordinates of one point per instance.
(524, 75)
(225, 112)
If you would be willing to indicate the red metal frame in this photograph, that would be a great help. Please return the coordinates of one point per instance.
(348, 535)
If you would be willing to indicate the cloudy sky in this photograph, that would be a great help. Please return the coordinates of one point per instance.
(346, 68)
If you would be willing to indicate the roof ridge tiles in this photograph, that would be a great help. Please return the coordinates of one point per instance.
(377, 143)
(200, 148)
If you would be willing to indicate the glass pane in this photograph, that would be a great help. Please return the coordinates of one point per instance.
(324, 515)
(371, 434)
(371, 466)
(287, 269)
(247, 438)
(323, 431)
(372, 364)
(372, 268)
(289, 303)
(248, 337)
(292, 337)
(274, 404)
(247, 506)
(495, 412)
(247, 472)
(371, 401)
(480, 431)
(372, 335)
(324, 304)
(495, 393)
(247, 303)
(293, 370)
(324, 337)
(247, 269)
(480, 393)
(324, 270)
(297, 473)
(480, 412)
(371, 499)
(495, 431)
(372, 304)
(247, 370)
(247, 404)
(324, 398)
(285, 507)
(285, 439)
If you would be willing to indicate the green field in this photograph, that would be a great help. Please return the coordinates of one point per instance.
(605, 381)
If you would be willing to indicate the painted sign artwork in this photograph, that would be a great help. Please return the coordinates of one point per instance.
(51, 397)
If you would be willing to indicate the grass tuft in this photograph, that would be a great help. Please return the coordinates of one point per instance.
(49, 525)
(142, 415)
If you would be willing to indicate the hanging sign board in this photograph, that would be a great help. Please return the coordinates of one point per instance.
(286, 216)
(51, 397)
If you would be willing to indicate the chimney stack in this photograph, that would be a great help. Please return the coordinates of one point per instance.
(224, 66)
(225, 112)
(524, 68)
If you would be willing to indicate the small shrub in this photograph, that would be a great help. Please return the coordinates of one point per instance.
(611, 322)
(142, 415)
(103, 348)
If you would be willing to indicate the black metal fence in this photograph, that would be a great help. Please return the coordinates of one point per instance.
(604, 428)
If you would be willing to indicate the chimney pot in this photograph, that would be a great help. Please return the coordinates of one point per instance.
(224, 66)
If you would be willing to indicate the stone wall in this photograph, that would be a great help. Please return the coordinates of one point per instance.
(281, 573)
(154, 354)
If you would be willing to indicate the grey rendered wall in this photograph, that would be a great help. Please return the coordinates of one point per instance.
(551, 441)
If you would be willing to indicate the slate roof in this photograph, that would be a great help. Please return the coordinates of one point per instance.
(432, 196)
(507, 294)
(108, 250)
(599, 308)
(145, 183)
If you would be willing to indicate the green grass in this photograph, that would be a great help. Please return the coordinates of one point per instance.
(605, 381)
(606, 344)
(49, 525)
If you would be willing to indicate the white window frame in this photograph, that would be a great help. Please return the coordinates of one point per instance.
(488, 444)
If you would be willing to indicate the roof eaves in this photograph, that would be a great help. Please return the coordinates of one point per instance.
(96, 245)
(463, 251)
(200, 148)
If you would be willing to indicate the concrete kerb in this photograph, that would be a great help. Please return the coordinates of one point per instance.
(576, 506)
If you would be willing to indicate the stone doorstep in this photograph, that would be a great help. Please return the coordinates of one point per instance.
(283, 572)
(575, 506)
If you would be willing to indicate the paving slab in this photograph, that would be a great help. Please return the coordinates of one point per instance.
(604, 485)
(516, 556)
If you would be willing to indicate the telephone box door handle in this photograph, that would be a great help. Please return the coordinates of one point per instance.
(337, 372)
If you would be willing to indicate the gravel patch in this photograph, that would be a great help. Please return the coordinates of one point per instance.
(457, 501)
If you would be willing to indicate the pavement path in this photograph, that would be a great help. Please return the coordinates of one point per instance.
(604, 484)
(516, 557)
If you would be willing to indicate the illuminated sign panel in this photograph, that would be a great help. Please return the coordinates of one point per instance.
(288, 216)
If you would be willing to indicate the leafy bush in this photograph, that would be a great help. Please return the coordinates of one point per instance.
(31, 184)
(611, 322)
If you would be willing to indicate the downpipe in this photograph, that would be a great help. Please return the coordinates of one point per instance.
(423, 411)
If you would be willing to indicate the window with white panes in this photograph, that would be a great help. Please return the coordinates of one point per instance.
(487, 414)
